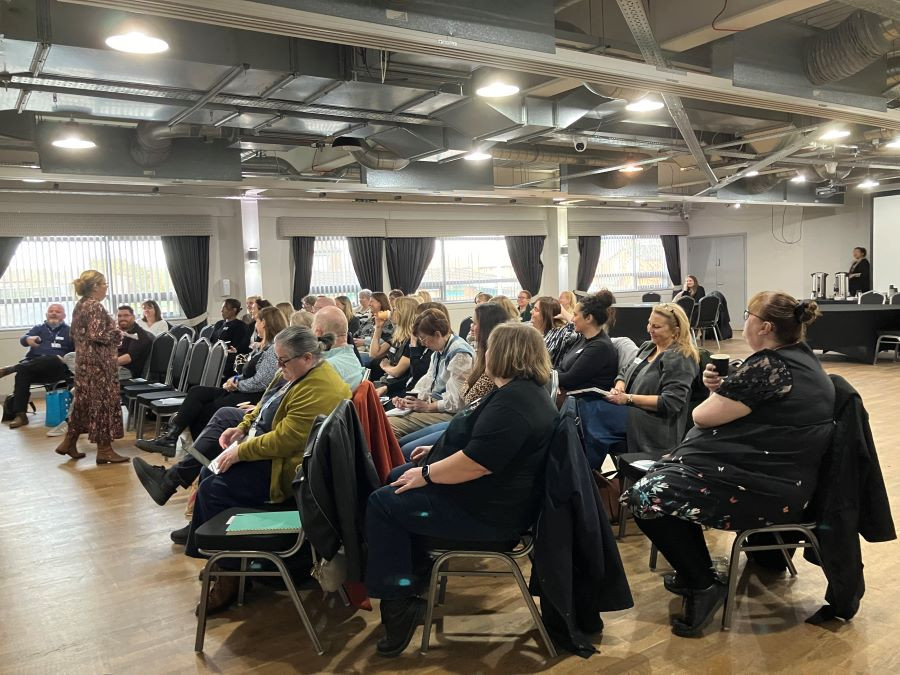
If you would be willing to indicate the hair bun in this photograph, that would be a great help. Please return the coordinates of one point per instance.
(806, 311)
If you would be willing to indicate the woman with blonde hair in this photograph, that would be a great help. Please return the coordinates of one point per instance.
(287, 309)
(657, 382)
(480, 482)
(567, 302)
(249, 317)
(96, 408)
(394, 355)
(346, 306)
(509, 306)
(424, 295)
(302, 318)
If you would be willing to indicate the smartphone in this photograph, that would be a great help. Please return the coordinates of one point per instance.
(411, 394)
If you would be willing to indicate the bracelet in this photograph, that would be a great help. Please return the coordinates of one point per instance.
(629, 399)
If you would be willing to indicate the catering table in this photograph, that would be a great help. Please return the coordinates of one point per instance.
(631, 321)
(852, 329)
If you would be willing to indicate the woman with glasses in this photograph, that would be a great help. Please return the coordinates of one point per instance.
(657, 383)
(751, 460)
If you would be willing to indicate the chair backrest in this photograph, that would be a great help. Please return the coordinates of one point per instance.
(180, 356)
(196, 365)
(871, 298)
(895, 299)
(686, 303)
(160, 359)
(215, 364)
(651, 297)
(179, 330)
(207, 331)
(708, 310)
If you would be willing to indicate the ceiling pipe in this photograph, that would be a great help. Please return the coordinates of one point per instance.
(857, 42)
(368, 156)
(152, 142)
(540, 155)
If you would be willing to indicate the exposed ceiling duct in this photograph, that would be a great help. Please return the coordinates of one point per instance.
(370, 157)
(152, 142)
(857, 42)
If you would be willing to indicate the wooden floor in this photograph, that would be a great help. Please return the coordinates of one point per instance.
(92, 584)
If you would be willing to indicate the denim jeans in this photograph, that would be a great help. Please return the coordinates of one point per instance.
(427, 436)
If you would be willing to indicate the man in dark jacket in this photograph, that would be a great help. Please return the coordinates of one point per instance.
(577, 570)
(48, 342)
(135, 345)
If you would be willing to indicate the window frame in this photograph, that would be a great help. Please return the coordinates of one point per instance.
(634, 272)
(444, 283)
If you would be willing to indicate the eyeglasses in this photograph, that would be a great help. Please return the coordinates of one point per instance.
(282, 362)
(748, 314)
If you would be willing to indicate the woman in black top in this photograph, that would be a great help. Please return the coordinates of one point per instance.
(691, 288)
(590, 360)
(230, 329)
(860, 275)
(752, 458)
(480, 482)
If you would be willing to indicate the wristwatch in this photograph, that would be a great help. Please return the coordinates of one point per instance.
(629, 399)
(425, 476)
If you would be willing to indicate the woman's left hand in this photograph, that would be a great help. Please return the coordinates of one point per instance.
(410, 480)
(227, 458)
(416, 404)
(617, 396)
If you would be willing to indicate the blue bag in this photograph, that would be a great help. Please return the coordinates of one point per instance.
(58, 402)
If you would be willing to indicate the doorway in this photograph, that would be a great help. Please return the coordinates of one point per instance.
(720, 263)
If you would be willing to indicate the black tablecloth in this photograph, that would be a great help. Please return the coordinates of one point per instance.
(851, 329)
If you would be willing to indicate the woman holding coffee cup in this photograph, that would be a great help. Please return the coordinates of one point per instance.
(752, 458)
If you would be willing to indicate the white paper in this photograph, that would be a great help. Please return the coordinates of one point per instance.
(214, 465)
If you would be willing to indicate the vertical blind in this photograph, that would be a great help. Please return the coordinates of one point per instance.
(43, 269)
(631, 263)
(333, 272)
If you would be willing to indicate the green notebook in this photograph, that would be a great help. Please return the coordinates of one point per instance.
(264, 522)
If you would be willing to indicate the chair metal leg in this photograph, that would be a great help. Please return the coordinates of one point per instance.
(429, 608)
(733, 565)
(442, 591)
(345, 599)
(716, 335)
(654, 556)
(787, 556)
(298, 603)
(529, 601)
(242, 582)
(201, 612)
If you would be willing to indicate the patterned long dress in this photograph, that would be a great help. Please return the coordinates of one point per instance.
(96, 406)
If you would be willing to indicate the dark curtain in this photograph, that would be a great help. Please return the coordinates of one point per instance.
(588, 259)
(673, 257)
(365, 254)
(8, 247)
(187, 259)
(302, 250)
(525, 256)
(407, 260)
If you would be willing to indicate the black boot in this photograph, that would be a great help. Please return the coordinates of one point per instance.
(399, 618)
(164, 443)
(700, 607)
(180, 536)
(157, 481)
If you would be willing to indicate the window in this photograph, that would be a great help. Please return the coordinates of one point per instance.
(332, 271)
(631, 263)
(43, 268)
(464, 266)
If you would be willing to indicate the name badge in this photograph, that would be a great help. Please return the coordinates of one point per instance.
(56, 345)
(393, 350)
(637, 359)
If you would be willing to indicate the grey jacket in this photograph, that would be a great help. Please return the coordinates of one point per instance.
(670, 378)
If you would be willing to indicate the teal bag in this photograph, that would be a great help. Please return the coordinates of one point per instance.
(58, 402)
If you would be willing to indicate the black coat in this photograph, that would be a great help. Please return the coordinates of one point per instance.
(862, 283)
(577, 570)
(334, 482)
(724, 325)
(850, 500)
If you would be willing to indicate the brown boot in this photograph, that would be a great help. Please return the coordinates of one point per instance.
(106, 455)
(222, 594)
(20, 420)
(69, 446)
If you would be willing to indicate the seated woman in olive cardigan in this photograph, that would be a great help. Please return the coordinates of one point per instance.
(260, 455)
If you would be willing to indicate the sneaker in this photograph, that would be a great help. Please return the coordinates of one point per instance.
(154, 480)
(60, 429)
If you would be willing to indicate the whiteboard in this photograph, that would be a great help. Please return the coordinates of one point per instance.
(885, 253)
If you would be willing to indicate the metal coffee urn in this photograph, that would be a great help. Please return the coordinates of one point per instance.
(818, 284)
(841, 285)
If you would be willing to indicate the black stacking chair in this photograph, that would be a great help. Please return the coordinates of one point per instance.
(686, 302)
(179, 330)
(872, 298)
(650, 297)
(158, 361)
(207, 331)
(707, 318)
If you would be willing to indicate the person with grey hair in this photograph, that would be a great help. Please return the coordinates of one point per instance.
(309, 302)
(330, 325)
(255, 454)
(363, 298)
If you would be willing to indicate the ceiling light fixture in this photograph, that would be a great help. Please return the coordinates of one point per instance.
(631, 168)
(136, 42)
(639, 202)
(893, 144)
(834, 134)
(71, 138)
(868, 184)
(735, 205)
(799, 178)
(33, 180)
(751, 174)
(477, 156)
(497, 89)
(645, 104)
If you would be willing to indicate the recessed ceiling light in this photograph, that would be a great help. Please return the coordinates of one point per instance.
(834, 134)
(33, 180)
(644, 105)
(799, 178)
(639, 202)
(893, 144)
(477, 156)
(497, 90)
(735, 206)
(868, 184)
(630, 168)
(136, 42)
(71, 141)
(751, 174)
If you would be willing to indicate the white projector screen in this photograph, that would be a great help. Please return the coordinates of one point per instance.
(885, 253)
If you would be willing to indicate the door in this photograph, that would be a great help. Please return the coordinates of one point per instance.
(720, 265)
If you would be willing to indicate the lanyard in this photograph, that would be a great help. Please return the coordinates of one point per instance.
(441, 357)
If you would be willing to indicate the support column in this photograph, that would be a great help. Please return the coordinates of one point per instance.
(556, 252)
(250, 241)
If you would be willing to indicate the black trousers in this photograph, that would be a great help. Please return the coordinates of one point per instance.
(39, 370)
(683, 545)
(201, 403)
(206, 443)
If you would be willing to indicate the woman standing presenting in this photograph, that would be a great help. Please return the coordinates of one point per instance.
(860, 275)
(96, 408)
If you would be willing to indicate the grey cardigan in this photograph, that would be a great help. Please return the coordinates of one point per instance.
(669, 377)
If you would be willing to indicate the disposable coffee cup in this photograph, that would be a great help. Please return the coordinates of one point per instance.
(720, 362)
